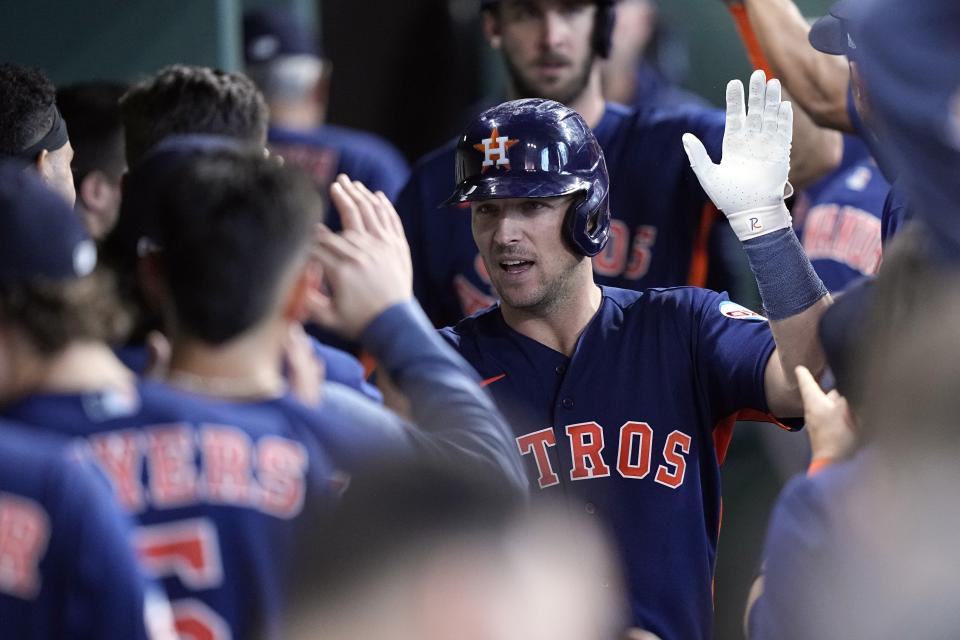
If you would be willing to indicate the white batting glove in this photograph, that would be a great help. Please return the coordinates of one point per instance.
(749, 184)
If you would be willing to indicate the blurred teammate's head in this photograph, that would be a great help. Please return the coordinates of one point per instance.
(50, 294)
(92, 112)
(283, 59)
(549, 46)
(426, 552)
(226, 237)
(836, 34)
(180, 99)
(31, 128)
(915, 91)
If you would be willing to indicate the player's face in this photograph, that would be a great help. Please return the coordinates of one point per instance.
(546, 46)
(522, 246)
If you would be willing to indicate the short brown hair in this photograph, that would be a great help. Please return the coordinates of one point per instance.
(181, 99)
(54, 313)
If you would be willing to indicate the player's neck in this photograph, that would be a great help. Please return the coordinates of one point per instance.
(298, 115)
(560, 326)
(81, 367)
(247, 367)
(590, 104)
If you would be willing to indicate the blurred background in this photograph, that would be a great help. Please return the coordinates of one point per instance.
(414, 72)
(407, 70)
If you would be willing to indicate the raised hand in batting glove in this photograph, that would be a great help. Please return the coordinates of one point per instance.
(749, 184)
(366, 267)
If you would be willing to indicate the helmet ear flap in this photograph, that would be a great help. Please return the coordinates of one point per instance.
(587, 222)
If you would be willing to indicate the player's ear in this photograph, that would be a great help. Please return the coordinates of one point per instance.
(100, 198)
(42, 163)
(491, 29)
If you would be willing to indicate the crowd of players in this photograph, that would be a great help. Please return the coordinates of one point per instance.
(227, 412)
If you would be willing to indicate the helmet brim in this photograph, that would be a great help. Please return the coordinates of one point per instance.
(500, 187)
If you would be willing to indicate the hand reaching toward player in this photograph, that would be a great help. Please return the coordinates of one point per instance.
(828, 420)
(749, 183)
(305, 371)
(366, 267)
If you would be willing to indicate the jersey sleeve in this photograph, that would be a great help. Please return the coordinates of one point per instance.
(108, 594)
(733, 345)
(457, 419)
(343, 368)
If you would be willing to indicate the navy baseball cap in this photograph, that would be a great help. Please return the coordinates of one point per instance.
(273, 32)
(831, 33)
(41, 237)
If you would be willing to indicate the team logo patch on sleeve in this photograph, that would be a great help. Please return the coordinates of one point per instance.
(738, 312)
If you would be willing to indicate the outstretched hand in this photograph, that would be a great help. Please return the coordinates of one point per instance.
(749, 183)
(366, 267)
(828, 420)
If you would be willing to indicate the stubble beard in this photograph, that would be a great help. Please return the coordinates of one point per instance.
(565, 95)
(549, 295)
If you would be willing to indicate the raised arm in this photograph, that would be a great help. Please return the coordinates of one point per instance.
(749, 187)
(368, 274)
(816, 81)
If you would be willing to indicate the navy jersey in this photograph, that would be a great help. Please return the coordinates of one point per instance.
(839, 222)
(635, 424)
(217, 486)
(66, 566)
(653, 90)
(660, 213)
(864, 549)
(895, 212)
(329, 150)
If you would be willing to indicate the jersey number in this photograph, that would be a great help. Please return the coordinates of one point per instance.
(189, 551)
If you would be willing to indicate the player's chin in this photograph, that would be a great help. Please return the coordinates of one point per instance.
(519, 296)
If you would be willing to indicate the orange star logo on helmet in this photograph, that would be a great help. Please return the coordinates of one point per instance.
(495, 150)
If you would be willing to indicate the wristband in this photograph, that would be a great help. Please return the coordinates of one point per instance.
(787, 282)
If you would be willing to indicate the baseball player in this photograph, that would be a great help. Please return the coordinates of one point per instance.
(92, 113)
(662, 219)
(216, 464)
(66, 567)
(32, 132)
(626, 398)
(283, 59)
(221, 109)
(863, 546)
(829, 87)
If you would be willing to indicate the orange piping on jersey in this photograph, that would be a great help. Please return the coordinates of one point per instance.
(819, 464)
(489, 381)
(369, 364)
(723, 431)
(700, 260)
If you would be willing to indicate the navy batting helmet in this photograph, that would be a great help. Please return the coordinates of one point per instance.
(602, 28)
(537, 148)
